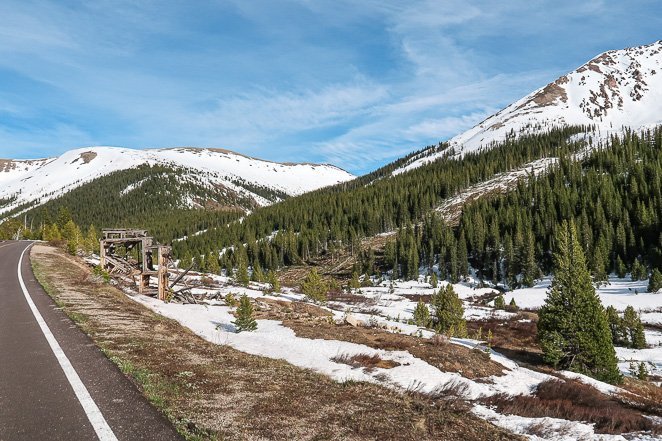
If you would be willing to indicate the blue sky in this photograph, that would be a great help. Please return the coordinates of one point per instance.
(354, 83)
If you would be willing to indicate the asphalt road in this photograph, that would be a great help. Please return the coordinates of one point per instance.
(55, 384)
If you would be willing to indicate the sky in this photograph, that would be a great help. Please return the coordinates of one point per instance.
(352, 83)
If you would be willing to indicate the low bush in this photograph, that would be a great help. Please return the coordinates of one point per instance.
(575, 401)
(367, 361)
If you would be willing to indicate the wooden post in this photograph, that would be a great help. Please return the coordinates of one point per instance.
(102, 254)
(143, 282)
(162, 272)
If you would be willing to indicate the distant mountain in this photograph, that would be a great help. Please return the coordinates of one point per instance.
(248, 182)
(615, 90)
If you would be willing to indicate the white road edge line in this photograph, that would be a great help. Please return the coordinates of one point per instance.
(101, 427)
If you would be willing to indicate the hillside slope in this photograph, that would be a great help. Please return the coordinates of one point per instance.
(26, 184)
(616, 89)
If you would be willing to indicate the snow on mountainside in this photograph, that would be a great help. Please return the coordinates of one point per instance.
(37, 181)
(617, 89)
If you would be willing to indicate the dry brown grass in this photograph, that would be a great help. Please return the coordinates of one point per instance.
(349, 298)
(514, 338)
(367, 361)
(214, 392)
(575, 401)
(280, 309)
(447, 357)
(642, 395)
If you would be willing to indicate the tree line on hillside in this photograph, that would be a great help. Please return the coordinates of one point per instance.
(613, 196)
(333, 220)
(147, 197)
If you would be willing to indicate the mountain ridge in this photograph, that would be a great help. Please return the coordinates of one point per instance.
(614, 90)
(35, 181)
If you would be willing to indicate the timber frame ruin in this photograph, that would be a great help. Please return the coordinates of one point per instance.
(134, 254)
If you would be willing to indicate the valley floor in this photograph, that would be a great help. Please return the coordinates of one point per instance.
(362, 370)
(212, 391)
(367, 336)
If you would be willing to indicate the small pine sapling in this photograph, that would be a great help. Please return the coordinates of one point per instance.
(274, 283)
(366, 282)
(245, 320)
(314, 287)
(230, 299)
(242, 276)
(512, 306)
(421, 314)
(634, 328)
(499, 303)
(354, 283)
(433, 280)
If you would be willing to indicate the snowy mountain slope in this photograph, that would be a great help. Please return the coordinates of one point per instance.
(31, 183)
(616, 89)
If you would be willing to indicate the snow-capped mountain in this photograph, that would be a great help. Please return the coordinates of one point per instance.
(616, 89)
(28, 183)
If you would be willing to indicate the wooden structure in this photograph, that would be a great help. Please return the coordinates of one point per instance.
(134, 254)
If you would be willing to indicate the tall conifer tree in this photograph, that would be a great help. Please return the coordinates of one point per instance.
(572, 327)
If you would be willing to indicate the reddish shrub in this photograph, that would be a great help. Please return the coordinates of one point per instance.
(575, 401)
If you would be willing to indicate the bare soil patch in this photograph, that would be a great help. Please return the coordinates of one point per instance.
(214, 392)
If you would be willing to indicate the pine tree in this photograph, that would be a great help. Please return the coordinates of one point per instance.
(638, 271)
(530, 270)
(618, 331)
(92, 240)
(245, 320)
(572, 327)
(211, 262)
(314, 286)
(433, 280)
(274, 283)
(421, 314)
(512, 306)
(54, 234)
(71, 234)
(510, 263)
(634, 328)
(448, 309)
(499, 303)
(620, 268)
(599, 268)
(454, 266)
(655, 281)
(355, 283)
(242, 276)
(63, 217)
(186, 260)
(258, 274)
(462, 256)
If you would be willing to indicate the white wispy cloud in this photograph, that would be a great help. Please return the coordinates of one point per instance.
(353, 83)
